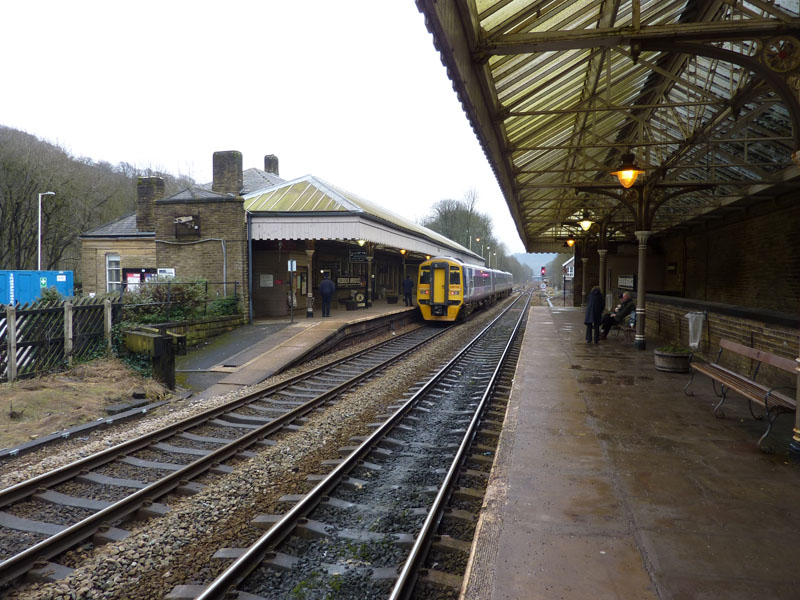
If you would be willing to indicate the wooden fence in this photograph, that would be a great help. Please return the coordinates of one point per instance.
(49, 336)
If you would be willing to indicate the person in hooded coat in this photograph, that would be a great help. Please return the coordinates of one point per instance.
(594, 315)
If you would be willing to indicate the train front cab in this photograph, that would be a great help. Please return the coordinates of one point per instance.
(440, 290)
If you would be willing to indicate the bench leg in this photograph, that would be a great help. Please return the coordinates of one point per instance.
(714, 385)
(772, 414)
(750, 406)
(717, 413)
(686, 387)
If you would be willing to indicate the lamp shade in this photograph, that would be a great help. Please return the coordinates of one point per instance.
(628, 171)
(570, 241)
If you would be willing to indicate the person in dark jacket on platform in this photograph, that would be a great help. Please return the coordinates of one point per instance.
(594, 315)
(326, 290)
(620, 313)
(408, 287)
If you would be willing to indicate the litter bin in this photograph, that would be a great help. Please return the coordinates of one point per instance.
(695, 328)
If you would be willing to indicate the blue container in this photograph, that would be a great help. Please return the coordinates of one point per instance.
(21, 287)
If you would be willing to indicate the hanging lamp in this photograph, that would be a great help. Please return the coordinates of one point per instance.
(628, 171)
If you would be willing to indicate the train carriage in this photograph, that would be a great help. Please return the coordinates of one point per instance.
(449, 290)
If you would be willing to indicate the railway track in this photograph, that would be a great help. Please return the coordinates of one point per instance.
(90, 498)
(366, 528)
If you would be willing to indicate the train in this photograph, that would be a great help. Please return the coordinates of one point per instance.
(448, 290)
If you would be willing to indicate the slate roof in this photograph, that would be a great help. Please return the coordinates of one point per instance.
(123, 227)
(196, 193)
(254, 180)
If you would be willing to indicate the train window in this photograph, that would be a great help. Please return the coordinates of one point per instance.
(425, 275)
(455, 276)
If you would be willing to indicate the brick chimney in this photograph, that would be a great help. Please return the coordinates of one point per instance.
(227, 172)
(148, 190)
(271, 164)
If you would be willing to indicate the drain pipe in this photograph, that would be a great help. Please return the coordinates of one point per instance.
(224, 257)
(250, 266)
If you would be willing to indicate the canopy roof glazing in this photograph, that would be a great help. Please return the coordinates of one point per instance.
(702, 93)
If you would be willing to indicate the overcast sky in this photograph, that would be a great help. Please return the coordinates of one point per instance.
(350, 91)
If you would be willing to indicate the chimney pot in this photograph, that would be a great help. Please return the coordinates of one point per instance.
(271, 164)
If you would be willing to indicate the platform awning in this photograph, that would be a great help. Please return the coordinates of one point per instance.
(309, 208)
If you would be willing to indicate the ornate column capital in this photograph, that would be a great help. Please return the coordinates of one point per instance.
(602, 252)
(643, 236)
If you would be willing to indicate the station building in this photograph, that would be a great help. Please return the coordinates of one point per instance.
(242, 232)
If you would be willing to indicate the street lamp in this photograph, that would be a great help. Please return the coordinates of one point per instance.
(39, 237)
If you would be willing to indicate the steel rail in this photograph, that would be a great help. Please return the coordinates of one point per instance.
(24, 489)
(20, 563)
(404, 586)
(255, 554)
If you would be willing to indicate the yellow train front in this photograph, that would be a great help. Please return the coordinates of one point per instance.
(449, 290)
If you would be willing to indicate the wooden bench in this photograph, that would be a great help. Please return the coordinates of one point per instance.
(628, 326)
(776, 401)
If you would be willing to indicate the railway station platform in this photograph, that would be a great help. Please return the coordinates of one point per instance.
(610, 483)
(253, 353)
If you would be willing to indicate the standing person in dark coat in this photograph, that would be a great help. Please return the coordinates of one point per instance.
(408, 287)
(326, 290)
(594, 314)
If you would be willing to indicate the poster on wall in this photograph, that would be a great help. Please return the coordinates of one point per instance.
(132, 278)
(266, 280)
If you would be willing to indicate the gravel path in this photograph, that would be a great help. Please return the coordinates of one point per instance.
(177, 549)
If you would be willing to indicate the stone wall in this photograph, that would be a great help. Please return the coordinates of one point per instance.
(764, 330)
(200, 255)
(197, 331)
(134, 254)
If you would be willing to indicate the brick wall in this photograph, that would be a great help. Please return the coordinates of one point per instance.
(748, 259)
(762, 330)
(200, 256)
(133, 253)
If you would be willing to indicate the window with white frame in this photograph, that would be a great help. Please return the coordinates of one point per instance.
(113, 273)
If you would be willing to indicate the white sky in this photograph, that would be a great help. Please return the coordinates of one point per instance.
(351, 91)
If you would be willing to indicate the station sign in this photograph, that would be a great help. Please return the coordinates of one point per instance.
(358, 256)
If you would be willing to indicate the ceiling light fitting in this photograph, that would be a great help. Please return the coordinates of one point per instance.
(628, 171)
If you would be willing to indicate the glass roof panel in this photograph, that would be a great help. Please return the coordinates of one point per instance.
(577, 84)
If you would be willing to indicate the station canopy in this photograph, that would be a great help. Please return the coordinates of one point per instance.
(310, 208)
(702, 96)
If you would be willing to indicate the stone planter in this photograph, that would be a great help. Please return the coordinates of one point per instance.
(391, 299)
(672, 362)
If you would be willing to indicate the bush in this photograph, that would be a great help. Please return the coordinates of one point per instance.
(166, 300)
(50, 294)
(224, 306)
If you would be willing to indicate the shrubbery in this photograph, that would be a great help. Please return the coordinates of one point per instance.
(167, 301)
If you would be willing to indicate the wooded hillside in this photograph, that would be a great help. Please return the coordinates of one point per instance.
(87, 195)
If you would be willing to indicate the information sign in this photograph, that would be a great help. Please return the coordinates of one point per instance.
(358, 256)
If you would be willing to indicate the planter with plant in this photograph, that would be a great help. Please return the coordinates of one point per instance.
(672, 359)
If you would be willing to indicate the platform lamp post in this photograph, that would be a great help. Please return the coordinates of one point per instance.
(39, 235)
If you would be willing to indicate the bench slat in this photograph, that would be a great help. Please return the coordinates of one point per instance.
(746, 387)
(780, 362)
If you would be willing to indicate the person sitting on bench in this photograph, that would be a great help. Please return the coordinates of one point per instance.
(618, 316)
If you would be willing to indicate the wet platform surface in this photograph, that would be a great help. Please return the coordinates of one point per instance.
(252, 353)
(609, 482)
